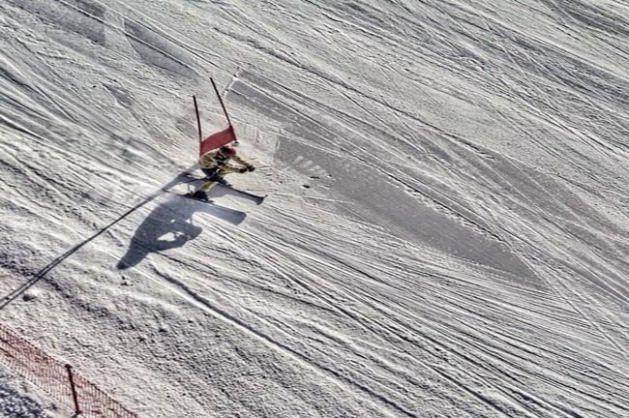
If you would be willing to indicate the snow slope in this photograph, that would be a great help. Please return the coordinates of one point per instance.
(446, 232)
(18, 401)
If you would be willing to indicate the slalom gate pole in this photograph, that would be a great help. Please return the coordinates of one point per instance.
(196, 110)
(220, 99)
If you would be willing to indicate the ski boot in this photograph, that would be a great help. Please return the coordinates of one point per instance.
(199, 195)
(216, 178)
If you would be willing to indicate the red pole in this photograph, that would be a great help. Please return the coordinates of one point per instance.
(220, 99)
(75, 396)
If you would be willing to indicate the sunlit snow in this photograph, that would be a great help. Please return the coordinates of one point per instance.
(446, 230)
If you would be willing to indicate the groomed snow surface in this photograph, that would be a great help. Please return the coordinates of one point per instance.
(17, 400)
(446, 231)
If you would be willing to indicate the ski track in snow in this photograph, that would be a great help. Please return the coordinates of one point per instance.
(446, 232)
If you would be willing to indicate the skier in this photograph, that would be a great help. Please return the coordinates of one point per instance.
(215, 164)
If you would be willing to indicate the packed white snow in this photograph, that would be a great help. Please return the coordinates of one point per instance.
(18, 400)
(446, 231)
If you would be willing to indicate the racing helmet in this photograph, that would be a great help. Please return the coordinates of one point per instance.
(227, 151)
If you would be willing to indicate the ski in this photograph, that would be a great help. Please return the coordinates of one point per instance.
(256, 198)
(233, 216)
(189, 178)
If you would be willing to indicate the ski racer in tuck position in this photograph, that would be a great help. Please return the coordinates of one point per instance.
(215, 165)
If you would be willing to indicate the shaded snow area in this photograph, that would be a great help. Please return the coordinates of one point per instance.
(446, 231)
(16, 400)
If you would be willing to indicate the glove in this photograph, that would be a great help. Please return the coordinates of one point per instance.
(250, 168)
(243, 170)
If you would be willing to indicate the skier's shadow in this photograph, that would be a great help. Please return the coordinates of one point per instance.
(169, 226)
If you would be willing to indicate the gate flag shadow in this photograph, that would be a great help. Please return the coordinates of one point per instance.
(170, 225)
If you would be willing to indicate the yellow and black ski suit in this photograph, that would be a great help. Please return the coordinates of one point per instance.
(215, 165)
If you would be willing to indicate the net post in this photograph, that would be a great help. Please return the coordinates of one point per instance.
(75, 396)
